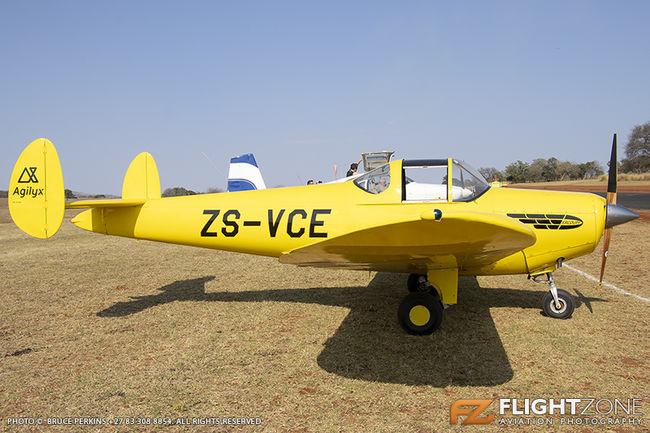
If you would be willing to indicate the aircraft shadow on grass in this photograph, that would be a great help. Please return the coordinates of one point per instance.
(370, 345)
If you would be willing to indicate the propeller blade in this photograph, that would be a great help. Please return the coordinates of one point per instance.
(608, 233)
(612, 180)
(613, 170)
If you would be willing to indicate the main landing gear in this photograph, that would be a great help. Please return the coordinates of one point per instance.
(557, 303)
(420, 312)
(418, 283)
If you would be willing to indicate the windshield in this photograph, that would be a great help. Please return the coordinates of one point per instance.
(375, 181)
(470, 183)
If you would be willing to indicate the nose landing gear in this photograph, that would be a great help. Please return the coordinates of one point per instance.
(557, 303)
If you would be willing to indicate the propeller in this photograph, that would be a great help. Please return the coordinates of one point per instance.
(611, 199)
(616, 214)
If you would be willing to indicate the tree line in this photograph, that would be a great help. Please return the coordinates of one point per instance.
(543, 170)
(637, 160)
(179, 190)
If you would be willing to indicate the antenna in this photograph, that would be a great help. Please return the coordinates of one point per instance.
(212, 163)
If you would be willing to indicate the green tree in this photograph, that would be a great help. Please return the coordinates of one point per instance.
(590, 169)
(517, 172)
(69, 194)
(535, 172)
(567, 170)
(637, 150)
(489, 173)
(549, 172)
(177, 191)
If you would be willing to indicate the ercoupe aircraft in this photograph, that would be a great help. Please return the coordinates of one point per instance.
(404, 216)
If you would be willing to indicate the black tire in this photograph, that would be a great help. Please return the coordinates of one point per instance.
(566, 305)
(418, 283)
(420, 313)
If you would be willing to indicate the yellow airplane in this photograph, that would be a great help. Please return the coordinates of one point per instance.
(401, 217)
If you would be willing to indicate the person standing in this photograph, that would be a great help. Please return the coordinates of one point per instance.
(353, 168)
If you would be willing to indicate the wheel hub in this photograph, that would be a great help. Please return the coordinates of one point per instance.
(559, 306)
(419, 315)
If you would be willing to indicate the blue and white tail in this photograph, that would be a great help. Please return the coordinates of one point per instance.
(244, 174)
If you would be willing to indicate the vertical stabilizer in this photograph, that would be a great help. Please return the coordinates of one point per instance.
(244, 174)
(141, 181)
(36, 194)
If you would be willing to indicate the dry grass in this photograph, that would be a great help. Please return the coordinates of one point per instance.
(624, 179)
(634, 177)
(100, 326)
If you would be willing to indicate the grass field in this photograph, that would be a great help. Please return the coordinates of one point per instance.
(602, 180)
(97, 326)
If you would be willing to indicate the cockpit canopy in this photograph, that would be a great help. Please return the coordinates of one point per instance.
(425, 180)
(375, 181)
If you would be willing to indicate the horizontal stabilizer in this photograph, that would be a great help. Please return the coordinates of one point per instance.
(85, 204)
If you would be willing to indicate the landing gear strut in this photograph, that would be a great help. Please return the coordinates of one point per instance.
(418, 283)
(557, 303)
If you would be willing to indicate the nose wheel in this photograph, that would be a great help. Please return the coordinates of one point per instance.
(557, 303)
(562, 309)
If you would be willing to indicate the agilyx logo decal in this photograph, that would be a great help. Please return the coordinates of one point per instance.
(28, 175)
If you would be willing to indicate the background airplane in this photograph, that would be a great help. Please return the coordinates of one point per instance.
(244, 174)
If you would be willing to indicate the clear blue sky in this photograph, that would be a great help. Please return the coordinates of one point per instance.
(308, 84)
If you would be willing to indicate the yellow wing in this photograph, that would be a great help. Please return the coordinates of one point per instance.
(462, 239)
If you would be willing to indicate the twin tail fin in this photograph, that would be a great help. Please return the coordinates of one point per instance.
(37, 196)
